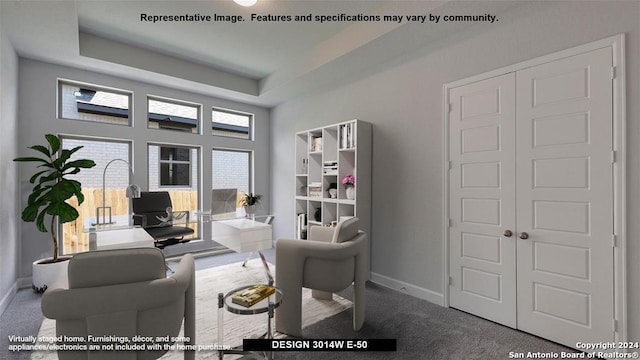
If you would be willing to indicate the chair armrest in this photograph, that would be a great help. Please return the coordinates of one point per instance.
(180, 214)
(302, 249)
(186, 269)
(172, 216)
(186, 274)
(141, 218)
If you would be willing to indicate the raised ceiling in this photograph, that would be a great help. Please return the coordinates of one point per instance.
(260, 62)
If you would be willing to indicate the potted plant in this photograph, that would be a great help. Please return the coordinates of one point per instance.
(249, 202)
(48, 199)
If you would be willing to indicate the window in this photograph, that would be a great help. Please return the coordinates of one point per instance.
(232, 170)
(117, 178)
(176, 169)
(175, 166)
(232, 123)
(92, 103)
(173, 115)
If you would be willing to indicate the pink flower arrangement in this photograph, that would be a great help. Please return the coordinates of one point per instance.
(348, 180)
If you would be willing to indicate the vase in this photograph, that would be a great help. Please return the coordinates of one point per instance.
(351, 192)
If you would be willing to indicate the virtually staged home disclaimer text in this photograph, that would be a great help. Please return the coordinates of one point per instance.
(19, 343)
(333, 18)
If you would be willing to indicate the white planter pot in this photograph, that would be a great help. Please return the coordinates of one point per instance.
(46, 274)
(250, 210)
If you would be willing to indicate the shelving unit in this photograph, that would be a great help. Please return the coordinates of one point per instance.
(323, 157)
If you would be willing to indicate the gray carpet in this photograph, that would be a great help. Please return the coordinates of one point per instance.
(22, 317)
(423, 330)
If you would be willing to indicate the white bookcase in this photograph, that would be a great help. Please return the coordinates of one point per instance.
(323, 157)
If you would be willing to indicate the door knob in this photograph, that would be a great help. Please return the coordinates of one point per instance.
(524, 235)
(507, 233)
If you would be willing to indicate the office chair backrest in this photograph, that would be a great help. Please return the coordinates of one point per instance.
(152, 204)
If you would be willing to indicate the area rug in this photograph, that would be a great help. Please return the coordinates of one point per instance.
(210, 282)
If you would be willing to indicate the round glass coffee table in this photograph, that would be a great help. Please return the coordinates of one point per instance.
(266, 305)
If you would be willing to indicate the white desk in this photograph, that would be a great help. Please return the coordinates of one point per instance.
(120, 238)
(242, 234)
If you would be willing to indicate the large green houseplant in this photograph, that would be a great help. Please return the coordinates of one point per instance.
(52, 188)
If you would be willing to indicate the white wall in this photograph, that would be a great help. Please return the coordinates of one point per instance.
(403, 101)
(9, 208)
(37, 109)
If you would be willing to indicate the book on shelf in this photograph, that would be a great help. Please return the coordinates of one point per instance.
(347, 138)
(253, 295)
(301, 227)
(315, 190)
(330, 168)
(316, 144)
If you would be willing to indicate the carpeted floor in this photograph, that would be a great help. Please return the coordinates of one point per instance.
(423, 330)
(22, 317)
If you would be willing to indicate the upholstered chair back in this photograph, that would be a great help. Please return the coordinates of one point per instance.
(123, 293)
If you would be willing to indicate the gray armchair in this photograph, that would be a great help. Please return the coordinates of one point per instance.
(123, 293)
(331, 260)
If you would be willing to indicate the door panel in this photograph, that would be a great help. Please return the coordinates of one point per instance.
(482, 199)
(531, 152)
(565, 199)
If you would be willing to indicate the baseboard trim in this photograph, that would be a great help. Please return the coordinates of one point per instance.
(25, 282)
(403, 287)
(6, 299)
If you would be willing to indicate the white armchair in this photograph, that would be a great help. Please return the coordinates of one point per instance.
(331, 260)
(123, 293)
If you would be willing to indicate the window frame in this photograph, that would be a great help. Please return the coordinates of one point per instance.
(161, 161)
(129, 159)
(198, 107)
(198, 186)
(250, 170)
(234, 128)
(94, 109)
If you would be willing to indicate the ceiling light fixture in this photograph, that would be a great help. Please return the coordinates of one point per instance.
(245, 2)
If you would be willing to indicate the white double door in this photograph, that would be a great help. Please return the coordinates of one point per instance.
(531, 199)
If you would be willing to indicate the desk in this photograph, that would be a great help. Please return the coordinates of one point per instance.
(242, 235)
(119, 237)
(239, 233)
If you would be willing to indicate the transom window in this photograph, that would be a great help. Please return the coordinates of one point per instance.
(92, 103)
(173, 115)
(231, 123)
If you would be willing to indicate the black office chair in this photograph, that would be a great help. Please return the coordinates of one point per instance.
(154, 212)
